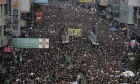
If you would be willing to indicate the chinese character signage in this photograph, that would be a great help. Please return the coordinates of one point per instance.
(74, 32)
(38, 15)
(30, 43)
(15, 17)
(41, 1)
(86, 1)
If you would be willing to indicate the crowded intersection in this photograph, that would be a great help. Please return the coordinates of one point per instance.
(79, 61)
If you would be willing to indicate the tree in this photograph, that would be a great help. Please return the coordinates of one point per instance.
(136, 62)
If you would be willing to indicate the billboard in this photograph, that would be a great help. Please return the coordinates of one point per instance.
(30, 43)
(25, 6)
(134, 3)
(41, 1)
(15, 17)
(85, 1)
(74, 32)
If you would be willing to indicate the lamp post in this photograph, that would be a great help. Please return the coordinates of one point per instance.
(64, 31)
(96, 30)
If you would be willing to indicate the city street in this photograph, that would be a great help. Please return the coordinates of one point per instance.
(78, 61)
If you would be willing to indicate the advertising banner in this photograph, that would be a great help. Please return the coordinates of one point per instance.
(70, 32)
(30, 43)
(15, 17)
(25, 6)
(79, 32)
(86, 1)
(74, 32)
(38, 15)
(41, 1)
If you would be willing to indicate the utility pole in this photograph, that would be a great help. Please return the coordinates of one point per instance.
(65, 30)
(96, 31)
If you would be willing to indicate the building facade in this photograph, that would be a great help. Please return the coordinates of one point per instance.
(126, 12)
(4, 22)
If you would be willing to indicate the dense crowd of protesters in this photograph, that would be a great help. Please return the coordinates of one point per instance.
(101, 65)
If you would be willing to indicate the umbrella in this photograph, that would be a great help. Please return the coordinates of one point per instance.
(112, 29)
(73, 83)
(128, 73)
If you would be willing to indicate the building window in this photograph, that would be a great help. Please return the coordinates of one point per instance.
(6, 9)
(5, 32)
(139, 12)
(0, 31)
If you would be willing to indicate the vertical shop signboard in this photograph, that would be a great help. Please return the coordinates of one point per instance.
(15, 17)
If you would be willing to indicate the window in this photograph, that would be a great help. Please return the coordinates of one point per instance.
(0, 31)
(0, 10)
(139, 12)
(6, 9)
(5, 32)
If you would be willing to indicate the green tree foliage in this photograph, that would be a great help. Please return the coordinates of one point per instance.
(136, 62)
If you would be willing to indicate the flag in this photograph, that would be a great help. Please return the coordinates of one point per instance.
(43, 43)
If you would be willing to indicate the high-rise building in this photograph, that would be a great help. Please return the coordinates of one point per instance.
(4, 22)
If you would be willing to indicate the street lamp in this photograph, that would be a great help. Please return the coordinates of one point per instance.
(96, 31)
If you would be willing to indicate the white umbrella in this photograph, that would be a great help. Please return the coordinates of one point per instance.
(74, 83)
(128, 73)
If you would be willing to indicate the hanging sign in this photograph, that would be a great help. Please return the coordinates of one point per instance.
(30, 43)
(15, 17)
(38, 15)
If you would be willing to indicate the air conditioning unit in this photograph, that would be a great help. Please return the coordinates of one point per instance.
(6, 19)
(3, 41)
(8, 29)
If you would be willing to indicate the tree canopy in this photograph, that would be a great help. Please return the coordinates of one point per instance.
(136, 62)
